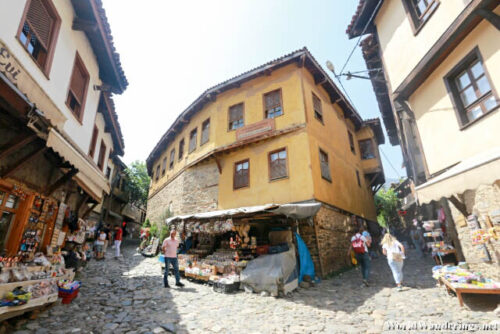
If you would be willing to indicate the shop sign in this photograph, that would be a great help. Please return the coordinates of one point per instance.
(255, 130)
(8, 65)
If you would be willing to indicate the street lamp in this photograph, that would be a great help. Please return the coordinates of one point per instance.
(350, 75)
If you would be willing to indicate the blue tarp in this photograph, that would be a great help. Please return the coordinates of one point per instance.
(305, 260)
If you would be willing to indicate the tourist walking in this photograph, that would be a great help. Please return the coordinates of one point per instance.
(360, 244)
(99, 244)
(395, 252)
(417, 238)
(118, 240)
(169, 248)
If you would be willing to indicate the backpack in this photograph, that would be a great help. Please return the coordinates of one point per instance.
(358, 245)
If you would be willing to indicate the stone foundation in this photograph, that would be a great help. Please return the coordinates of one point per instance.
(328, 240)
(480, 202)
(195, 190)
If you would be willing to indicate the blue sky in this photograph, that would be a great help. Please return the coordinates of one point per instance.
(172, 51)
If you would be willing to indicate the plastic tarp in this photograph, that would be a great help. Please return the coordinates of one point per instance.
(305, 260)
(270, 272)
(294, 211)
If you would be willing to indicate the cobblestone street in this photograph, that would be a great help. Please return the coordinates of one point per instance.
(126, 296)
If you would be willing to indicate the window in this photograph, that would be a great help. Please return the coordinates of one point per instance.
(272, 104)
(181, 149)
(93, 141)
(351, 142)
(325, 167)
(157, 173)
(241, 175)
(236, 117)
(193, 137)
(278, 164)
(78, 88)
(205, 131)
(102, 155)
(164, 166)
(359, 180)
(172, 158)
(470, 88)
(420, 11)
(318, 110)
(366, 149)
(38, 32)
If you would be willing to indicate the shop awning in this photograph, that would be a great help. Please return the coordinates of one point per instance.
(294, 211)
(469, 174)
(88, 177)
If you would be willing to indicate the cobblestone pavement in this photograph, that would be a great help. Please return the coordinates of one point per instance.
(126, 296)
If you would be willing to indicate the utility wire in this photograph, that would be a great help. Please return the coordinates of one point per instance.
(360, 36)
(390, 163)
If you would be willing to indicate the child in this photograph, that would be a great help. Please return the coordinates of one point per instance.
(99, 244)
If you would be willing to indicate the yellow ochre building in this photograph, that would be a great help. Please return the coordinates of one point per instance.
(280, 133)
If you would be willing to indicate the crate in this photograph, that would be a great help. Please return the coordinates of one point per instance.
(226, 288)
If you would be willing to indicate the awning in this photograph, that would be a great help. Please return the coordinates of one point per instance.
(88, 177)
(294, 211)
(469, 174)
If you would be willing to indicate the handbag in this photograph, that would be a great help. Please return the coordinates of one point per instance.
(398, 257)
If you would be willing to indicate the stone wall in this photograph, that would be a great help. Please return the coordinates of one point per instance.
(307, 233)
(480, 202)
(194, 190)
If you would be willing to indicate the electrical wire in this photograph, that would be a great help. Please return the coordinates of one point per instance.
(360, 36)
(390, 163)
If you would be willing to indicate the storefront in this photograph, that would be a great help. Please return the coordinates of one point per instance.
(251, 248)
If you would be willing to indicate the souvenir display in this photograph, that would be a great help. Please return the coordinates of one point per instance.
(462, 278)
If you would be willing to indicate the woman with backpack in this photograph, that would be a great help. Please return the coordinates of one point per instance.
(395, 253)
(360, 244)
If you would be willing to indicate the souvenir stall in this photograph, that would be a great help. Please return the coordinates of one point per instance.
(251, 248)
(436, 240)
(32, 233)
(459, 280)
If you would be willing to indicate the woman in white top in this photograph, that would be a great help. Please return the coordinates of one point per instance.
(395, 253)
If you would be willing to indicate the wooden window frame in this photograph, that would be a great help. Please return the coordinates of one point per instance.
(352, 145)
(320, 112)
(372, 148)
(93, 141)
(269, 164)
(458, 106)
(172, 159)
(416, 21)
(229, 116)
(14, 211)
(182, 143)
(358, 178)
(202, 142)
(281, 102)
(191, 150)
(234, 174)
(157, 174)
(328, 163)
(54, 34)
(164, 166)
(101, 161)
(78, 62)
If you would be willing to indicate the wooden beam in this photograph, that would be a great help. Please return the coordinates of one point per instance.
(15, 144)
(89, 210)
(459, 205)
(218, 164)
(62, 180)
(490, 16)
(82, 202)
(84, 25)
(11, 170)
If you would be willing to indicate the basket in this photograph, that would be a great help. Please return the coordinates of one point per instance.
(68, 295)
(226, 288)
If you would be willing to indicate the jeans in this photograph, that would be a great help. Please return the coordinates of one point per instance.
(175, 265)
(117, 247)
(365, 262)
(418, 247)
(397, 270)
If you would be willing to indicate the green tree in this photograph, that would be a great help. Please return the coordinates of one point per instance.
(138, 182)
(387, 208)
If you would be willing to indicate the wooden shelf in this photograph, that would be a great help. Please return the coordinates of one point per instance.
(7, 312)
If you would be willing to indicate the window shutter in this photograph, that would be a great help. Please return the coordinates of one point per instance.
(236, 113)
(40, 21)
(78, 81)
(273, 99)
